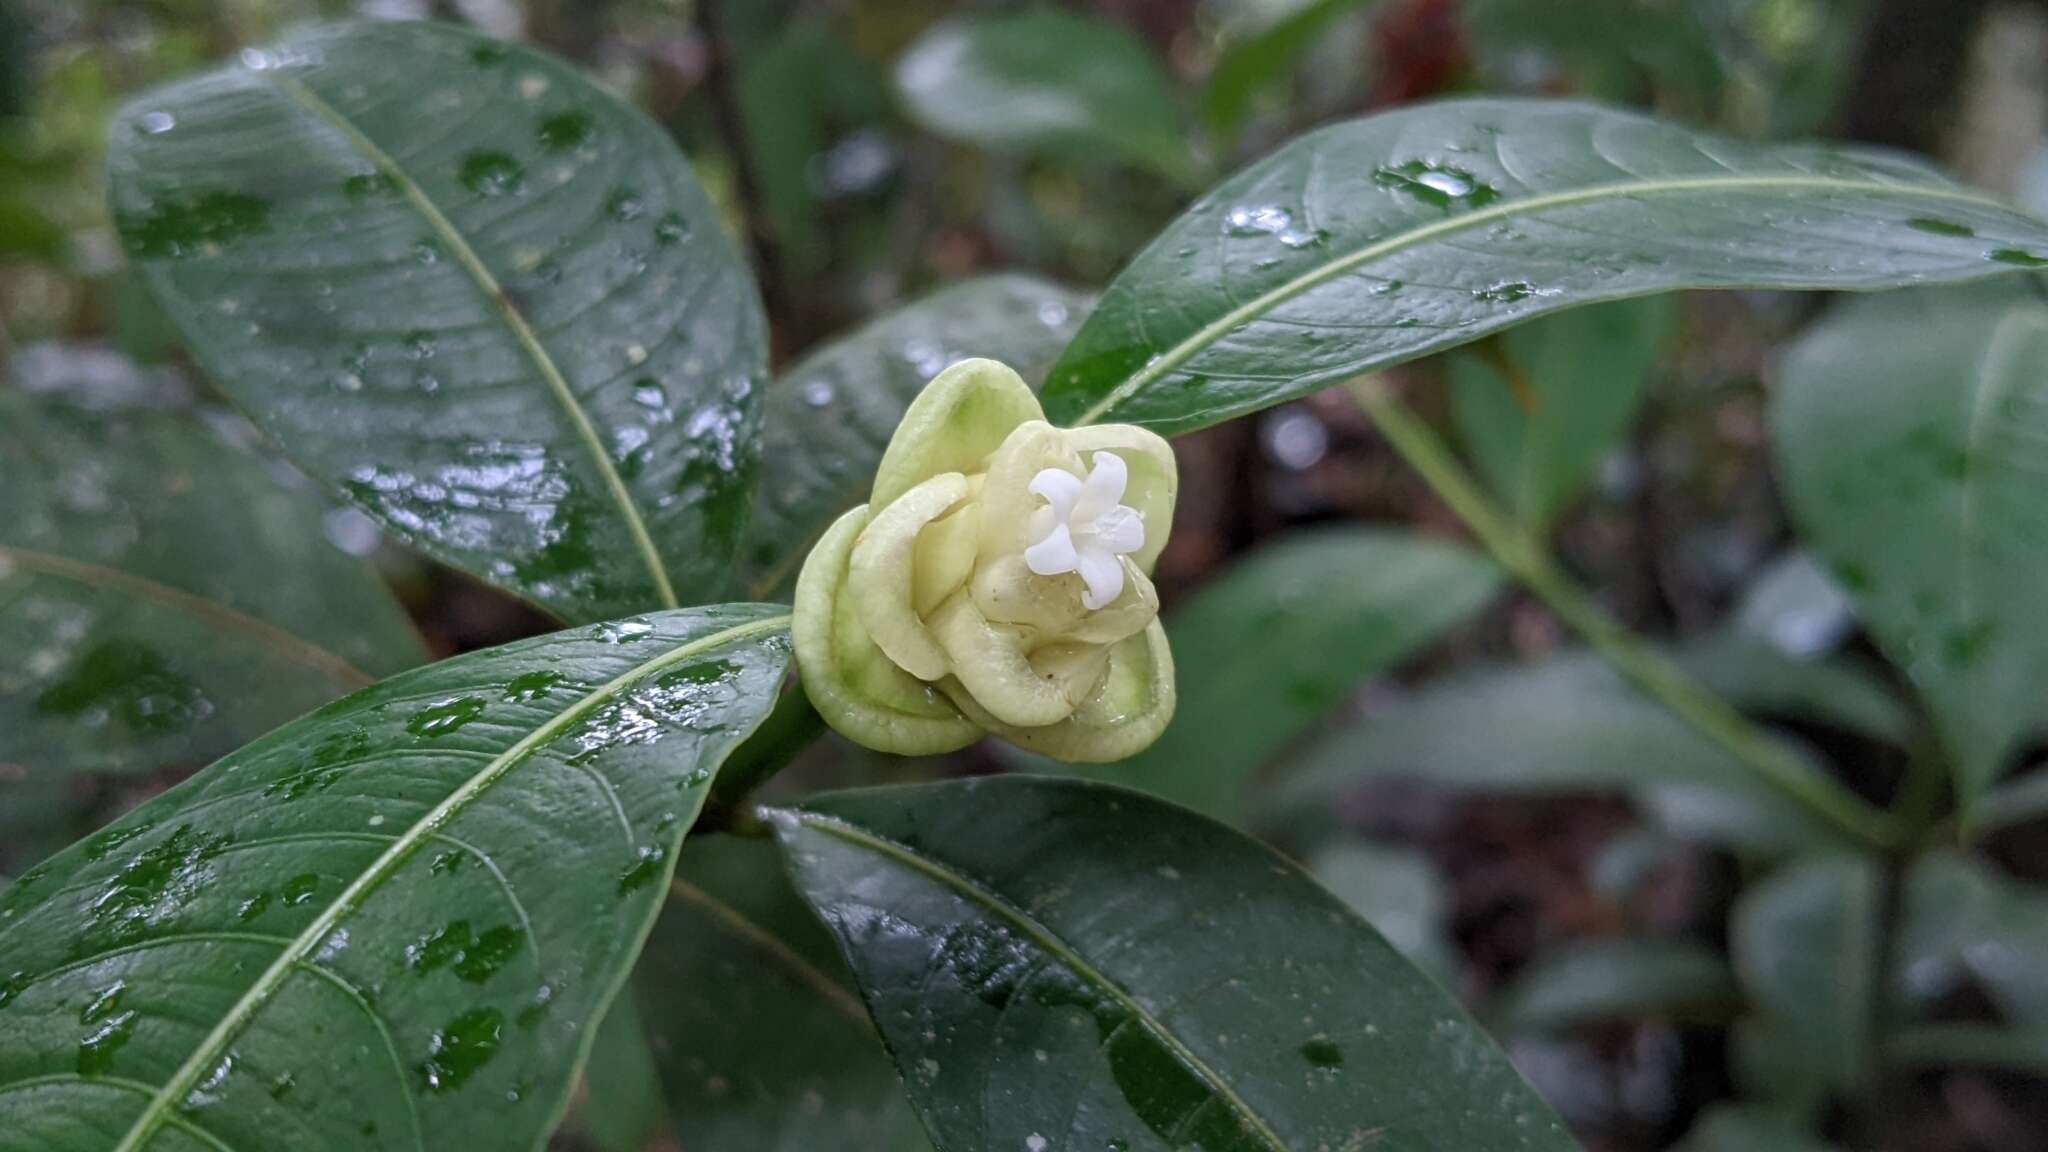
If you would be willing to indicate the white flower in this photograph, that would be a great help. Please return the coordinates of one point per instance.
(1084, 527)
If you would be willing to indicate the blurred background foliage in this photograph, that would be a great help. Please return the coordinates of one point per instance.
(868, 152)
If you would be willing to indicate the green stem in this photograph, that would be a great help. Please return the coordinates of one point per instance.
(790, 728)
(1528, 562)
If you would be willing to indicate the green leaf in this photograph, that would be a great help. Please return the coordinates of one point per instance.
(460, 282)
(1766, 679)
(1376, 241)
(1566, 725)
(164, 599)
(1908, 431)
(760, 1037)
(1259, 60)
(1597, 980)
(1971, 1046)
(1056, 964)
(1749, 1128)
(1795, 606)
(1275, 643)
(1544, 405)
(393, 924)
(1044, 80)
(826, 421)
(622, 1109)
(1964, 918)
(1805, 945)
(1617, 50)
(1398, 892)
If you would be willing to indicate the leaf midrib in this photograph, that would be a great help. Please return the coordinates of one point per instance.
(529, 341)
(1056, 948)
(292, 646)
(1257, 306)
(245, 1008)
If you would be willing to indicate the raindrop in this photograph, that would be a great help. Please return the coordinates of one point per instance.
(491, 173)
(818, 393)
(2018, 258)
(1272, 221)
(462, 1046)
(1510, 292)
(532, 686)
(155, 123)
(1938, 227)
(564, 130)
(1323, 1053)
(671, 229)
(445, 717)
(1438, 185)
(300, 888)
(646, 866)
(1052, 313)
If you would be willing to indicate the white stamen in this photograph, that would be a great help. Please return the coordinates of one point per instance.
(1084, 528)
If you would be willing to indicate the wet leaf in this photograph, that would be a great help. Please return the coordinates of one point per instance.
(1057, 964)
(164, 597)
(1044, 80)
(826, 420)
(760, 1038)
(526, 346)
(1934, 1046)
(393, 924)
(1542, 406)
(1908, 430)
(1274, 644)
(1376, 241)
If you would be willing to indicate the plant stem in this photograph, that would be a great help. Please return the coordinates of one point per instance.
(1528, 562)
(790, 728)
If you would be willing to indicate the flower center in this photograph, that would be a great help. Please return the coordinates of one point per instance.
(1084, 527)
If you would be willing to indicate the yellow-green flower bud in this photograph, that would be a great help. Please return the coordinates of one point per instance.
(997, 581)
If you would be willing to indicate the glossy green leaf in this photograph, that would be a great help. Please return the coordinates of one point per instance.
(460, 282)
(393, 924)
(1253, 62)
(1909, 433)
(1044, 80)
(760, 1037)
(1569, 724)
(1805, 947)
(1056, 964)
(1597, 980)
(1380, 240)
(1274, 644)
(826, 420)
(1548, 401)
(164, 597)
(1398, 891)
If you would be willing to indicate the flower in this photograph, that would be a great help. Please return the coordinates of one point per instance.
(997, 581)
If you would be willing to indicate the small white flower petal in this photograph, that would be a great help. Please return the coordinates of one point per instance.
(1104, 575)
(1053, 555)
(1060, 489)
(1121, 530)
(1103, 489)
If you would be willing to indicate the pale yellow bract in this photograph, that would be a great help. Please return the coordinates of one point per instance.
(919, 624)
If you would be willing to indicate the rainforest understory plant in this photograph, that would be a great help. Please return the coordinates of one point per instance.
(488, 305)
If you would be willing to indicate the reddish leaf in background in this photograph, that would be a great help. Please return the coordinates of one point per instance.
(1421, 47)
